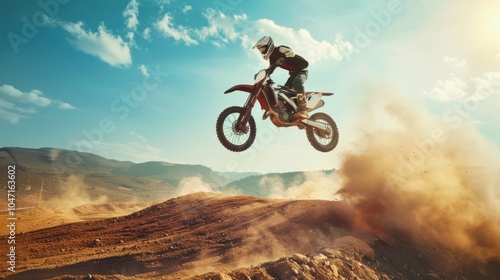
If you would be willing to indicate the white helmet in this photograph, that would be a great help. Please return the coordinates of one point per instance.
(267, 43)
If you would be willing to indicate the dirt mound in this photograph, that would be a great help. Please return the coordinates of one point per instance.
(38, 218)
(31, 219)
(107, 210)
(183, 237)
(203, 233)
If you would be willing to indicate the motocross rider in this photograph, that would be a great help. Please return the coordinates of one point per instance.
(284, 57)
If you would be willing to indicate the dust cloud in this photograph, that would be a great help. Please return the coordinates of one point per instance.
(316, 185)
(191, 185)
(73, 192)
(434, 178)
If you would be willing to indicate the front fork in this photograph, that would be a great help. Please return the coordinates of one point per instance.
(243, 118)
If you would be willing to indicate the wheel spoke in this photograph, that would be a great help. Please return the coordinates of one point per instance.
(233, 138)
(232, 135)
(321, 140)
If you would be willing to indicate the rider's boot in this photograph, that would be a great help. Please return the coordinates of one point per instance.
(302, 107)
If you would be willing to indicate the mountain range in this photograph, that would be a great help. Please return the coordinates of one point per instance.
(47, 174)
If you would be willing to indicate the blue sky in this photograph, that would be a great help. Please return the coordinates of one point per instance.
(144, 80)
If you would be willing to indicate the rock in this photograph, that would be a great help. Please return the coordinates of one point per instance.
(330, 252)
(433, 275)
(358, 246)
(320, 258)
(300, 259)
(334, 270)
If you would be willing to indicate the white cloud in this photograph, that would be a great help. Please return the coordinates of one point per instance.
(162, 3)
(222, 29)
(480, 87)
(144, 70)
(131, 39)
(130, 13)
(6, 111)
(486, 85)
(34, 97)
(10, 116)
(6, 104)
(12, 110)
(180, 33)
(64, 106)
(187, 8)
(146, 34)
(102, 44)
(487, 94)
(30, 110)
(455, 62)
(109, 48)
(302, 41)
(450, 89)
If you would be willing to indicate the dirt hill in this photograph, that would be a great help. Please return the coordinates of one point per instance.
(213, 236)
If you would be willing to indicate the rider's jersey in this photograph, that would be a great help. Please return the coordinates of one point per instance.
(294, 63)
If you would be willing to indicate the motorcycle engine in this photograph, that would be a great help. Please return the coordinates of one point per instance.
(285, 111)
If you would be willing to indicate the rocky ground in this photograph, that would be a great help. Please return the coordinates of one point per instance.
(214, 236)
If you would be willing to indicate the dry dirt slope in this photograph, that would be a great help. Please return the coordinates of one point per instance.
(222, 237)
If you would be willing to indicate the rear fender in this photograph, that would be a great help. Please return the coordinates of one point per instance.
(251, 90)
(314, 100)
(319, 92)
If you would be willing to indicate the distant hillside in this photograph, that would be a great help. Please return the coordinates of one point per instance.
(253, 185)
(172, 173)
(71, 175)
(47, 159)
(233, 176)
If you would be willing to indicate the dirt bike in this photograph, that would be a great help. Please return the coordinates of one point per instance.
(236, 128)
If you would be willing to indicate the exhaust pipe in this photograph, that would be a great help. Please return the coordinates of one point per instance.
(317, 125)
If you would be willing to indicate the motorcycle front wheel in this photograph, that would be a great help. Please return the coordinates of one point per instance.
(231, 136)
(321, 141)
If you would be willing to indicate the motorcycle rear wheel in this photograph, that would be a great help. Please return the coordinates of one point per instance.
(230, 136)
(323, 142)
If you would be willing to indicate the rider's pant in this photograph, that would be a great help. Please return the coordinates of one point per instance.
(297, 80)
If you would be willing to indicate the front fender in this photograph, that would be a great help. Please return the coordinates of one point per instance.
(247, 88)
(251, 90)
